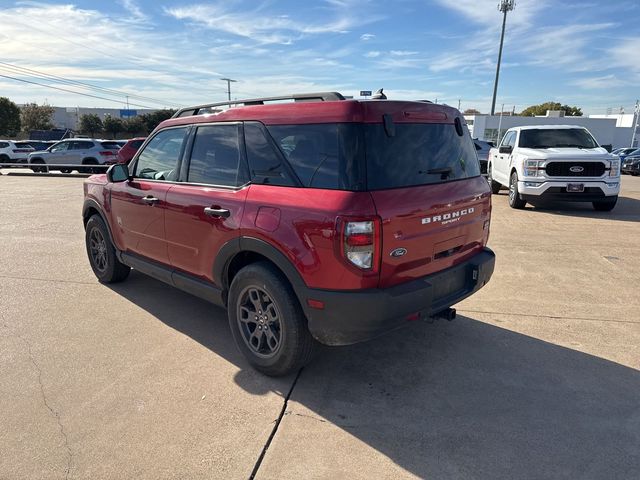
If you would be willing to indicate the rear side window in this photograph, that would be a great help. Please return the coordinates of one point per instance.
(81, 145)
(418, 154)
(4, 144)
(265, 163)
(215, 157)
(159, 159)
(23, 145)
(322, 155)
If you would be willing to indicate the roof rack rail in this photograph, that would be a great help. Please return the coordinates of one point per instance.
(297, 97)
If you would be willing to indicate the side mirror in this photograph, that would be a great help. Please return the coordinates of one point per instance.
(506, 149)
(118, 173)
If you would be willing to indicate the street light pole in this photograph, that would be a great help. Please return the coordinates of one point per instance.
(636, 117)
(505, 6)
(228, 80)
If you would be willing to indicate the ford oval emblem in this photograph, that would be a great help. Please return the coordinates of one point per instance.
(576, 169)
(399, 252)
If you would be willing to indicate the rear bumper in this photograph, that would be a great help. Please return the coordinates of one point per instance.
(355, 316)
(557, 190)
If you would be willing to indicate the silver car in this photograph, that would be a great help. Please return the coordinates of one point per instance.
(74, 151)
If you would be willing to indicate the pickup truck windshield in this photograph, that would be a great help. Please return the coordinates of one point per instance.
(557, 138)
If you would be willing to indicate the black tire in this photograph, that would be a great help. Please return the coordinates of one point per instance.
(65, 170)
(5, 159)
(261, 297)
(514, 196)
(102, 254)
(605, 205)
(89, 161)
(36, 169)
(495, 186)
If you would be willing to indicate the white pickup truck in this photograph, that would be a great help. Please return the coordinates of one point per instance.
(554, 163)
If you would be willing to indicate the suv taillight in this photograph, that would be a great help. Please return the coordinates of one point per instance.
(107, 153)
(360, 242)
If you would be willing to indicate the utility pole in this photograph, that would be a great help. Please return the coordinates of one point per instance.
(505, 6)
(228, 80)
(500, 125)
(636, 115)
(459, 104)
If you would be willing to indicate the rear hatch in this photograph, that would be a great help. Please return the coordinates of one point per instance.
(426, 185)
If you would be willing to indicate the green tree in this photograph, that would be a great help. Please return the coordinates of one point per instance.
(9, 118)
(471, 111)
(90, 123)
(36, 117)
(113, 125)
(152, 120)
(541, 109)
(134, 126)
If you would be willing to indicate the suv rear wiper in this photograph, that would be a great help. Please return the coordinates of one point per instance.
(444, 172)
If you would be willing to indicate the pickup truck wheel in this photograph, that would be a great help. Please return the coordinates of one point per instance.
(102, 254)
(605, 205)
(495, 186)
(514, 196)
(267, 322)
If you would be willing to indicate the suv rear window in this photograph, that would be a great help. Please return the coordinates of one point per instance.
(322, 155)
(110, 145)
(418, 154)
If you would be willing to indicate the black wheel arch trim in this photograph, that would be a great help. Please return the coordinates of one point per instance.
(92, 204)
(251, 244)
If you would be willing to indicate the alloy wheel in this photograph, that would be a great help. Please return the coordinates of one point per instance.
(98, 249)
(259, 322)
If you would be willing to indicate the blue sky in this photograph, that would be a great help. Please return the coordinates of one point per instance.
(174, 52)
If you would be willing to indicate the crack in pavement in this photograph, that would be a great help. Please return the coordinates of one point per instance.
(283, 412)
(551, 317)
(48, 280)
(55, 414)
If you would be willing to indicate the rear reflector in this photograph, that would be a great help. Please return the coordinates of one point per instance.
(317, 304)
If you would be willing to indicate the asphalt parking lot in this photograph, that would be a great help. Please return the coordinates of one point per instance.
(538, 377)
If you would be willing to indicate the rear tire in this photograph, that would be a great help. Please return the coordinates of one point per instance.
(605, 205)
(495, 186)
(90, 161)
(267, 322)
(102, 253)
(514, 196)
(5, 159)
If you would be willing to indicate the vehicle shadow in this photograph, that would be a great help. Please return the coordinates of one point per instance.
(626, 210)
(464, 399)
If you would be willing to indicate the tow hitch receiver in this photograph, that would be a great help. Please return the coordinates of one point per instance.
(448, 314)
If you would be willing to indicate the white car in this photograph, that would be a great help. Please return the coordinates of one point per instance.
(554, 163)
(67, 153)
(14, 152)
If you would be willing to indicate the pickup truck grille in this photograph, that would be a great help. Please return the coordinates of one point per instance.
(564, 169)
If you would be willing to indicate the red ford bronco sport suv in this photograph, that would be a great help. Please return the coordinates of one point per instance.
(315, 220)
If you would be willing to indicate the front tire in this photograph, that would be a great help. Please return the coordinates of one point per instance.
(514, 196)
(495, 186)
(605, 205)
(267, 322)
(35, 169)
(102, 253)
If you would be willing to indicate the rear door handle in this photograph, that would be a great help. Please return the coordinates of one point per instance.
(217, 212)
(149, 200)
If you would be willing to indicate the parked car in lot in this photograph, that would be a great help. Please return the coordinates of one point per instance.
(39, 145)
(126, 153)
(73, 151)
(482, 149)
(631, 164)
(320, 220)
(14, 151)
(554, 162)
(624, 152)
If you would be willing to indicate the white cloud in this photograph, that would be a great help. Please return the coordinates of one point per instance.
(402, 53)
(367, 36)
(605, 81)
(372, 54)
(626, 54)
(134, 10)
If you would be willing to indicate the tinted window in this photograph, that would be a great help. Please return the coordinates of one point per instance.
(322, 156)
(159, 158)
(557, 138)
(418, 154)
(23, 145)
(4, 144)
(60, 147)
(81, 145)
(265, 164)
(215, 158)
(509, 139)
(110, 145)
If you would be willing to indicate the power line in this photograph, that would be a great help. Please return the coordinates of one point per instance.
(47, 76)
(74, 92)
